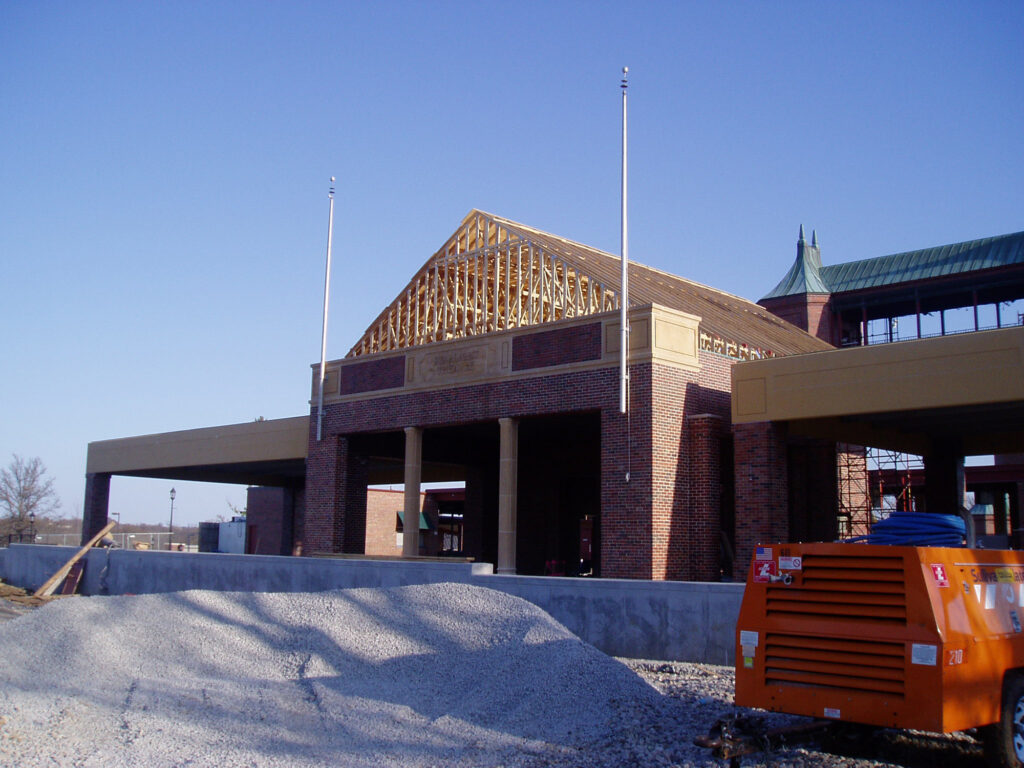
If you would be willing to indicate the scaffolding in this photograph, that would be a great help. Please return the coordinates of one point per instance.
(854, 497)
(871, 483)
(894, 482)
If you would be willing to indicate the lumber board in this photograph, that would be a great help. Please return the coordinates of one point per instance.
(73, 579)
(51, 583)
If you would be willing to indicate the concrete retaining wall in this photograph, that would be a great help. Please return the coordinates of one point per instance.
(670, 620)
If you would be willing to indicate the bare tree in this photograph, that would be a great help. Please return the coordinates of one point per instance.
(25, 490)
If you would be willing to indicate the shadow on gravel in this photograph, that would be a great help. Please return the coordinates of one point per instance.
(910, 749)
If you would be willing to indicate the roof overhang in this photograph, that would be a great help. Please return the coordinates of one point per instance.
(255, 453)
(906, 396)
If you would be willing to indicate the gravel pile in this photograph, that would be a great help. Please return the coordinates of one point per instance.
(441, 675)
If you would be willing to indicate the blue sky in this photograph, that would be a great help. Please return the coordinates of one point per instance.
(164, 170)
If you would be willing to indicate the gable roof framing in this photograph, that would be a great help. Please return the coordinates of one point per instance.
(494, 274)
(491, 275)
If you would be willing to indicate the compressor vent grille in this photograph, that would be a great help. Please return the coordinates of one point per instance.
(838, 588)
(848, 666)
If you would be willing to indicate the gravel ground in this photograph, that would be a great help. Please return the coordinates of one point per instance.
(442, 675)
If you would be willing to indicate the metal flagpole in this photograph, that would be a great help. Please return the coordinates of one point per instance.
(624, 298)
(323, 337)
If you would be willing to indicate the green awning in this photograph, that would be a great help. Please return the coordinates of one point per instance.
(424, 523)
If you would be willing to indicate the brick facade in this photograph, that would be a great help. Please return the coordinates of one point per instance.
(269, 517)
(545, 349)
(762, 489)
(373, 375)
(97, 499)
(382, 508)
(810, 311)
(660, 523)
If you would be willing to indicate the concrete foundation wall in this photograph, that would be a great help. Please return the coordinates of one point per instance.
(668, 620)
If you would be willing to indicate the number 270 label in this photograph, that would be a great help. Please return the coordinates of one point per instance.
(954, 656)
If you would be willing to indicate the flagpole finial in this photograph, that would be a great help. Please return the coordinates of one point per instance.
(331, 193)
(625, 77)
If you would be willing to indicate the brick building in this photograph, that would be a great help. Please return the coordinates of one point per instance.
(957, 309)
(497, 366)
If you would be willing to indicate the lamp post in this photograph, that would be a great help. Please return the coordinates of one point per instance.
(32, 527)
(171, 537)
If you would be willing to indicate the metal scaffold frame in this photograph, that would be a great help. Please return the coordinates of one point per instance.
(854, 497)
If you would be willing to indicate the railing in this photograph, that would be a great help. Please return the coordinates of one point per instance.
(121, 540)
(16, 538)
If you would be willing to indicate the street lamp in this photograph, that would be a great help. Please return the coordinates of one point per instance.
(32, 526)
(171, 538)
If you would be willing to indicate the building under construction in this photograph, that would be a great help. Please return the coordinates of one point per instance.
(930, 293)
(496, 369)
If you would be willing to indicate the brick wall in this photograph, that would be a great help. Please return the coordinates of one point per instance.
(335, 480)
(762, 513)
(703, 518)
(96, 505)
(810, 311)
(268, 520)
(660, 524)
(373, 375)
(561, 346)
(382, 508)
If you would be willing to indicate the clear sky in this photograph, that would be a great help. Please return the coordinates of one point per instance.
(164, 170)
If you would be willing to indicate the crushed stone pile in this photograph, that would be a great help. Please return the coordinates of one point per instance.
(448, 674)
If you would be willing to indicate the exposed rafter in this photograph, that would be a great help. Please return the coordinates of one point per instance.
(487, 277)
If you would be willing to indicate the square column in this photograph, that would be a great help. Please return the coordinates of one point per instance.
(508, 470)
(413, 473)
(97, 501)
(701, 523)
(762, 489)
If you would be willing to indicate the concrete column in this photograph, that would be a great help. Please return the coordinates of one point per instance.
(508, 469)
(97, 501)
(413, 473)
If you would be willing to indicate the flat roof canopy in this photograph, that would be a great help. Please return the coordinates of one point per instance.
(255, 453)
(906, 396)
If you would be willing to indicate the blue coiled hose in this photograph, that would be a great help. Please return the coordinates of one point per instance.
(917, 529)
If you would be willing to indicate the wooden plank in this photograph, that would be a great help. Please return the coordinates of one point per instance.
(51, 583)
(73, 579)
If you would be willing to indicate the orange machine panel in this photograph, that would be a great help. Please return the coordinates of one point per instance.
(903, 637)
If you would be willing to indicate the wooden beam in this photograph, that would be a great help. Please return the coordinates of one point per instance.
(50, 585)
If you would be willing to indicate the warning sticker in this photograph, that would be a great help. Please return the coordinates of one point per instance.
(764, 571)
(748, 637)
(939, 573)
(791, 563)
(926, 655)
(748, 662)
(833, 713)
(1004, 575)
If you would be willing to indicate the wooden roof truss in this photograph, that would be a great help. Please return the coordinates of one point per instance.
(487, 277)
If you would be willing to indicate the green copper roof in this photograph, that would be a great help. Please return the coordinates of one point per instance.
(805, 274)
(954, 259)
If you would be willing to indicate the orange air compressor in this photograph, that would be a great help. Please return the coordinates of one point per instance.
(923, 638)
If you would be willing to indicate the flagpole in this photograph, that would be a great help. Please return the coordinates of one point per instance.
(624, 298)
(327, 297)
